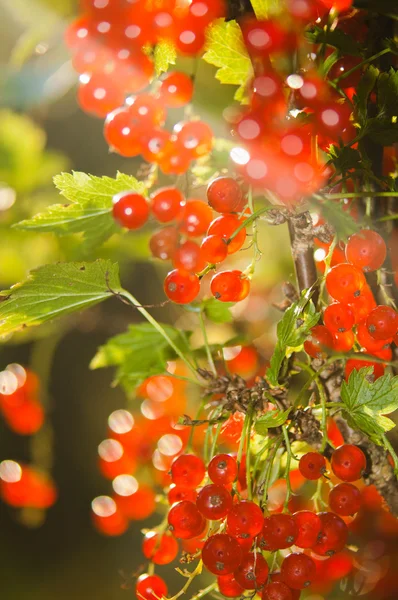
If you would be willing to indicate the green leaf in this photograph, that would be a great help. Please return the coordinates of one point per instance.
(364, 89)
(216, 311)
(90, 208)
(164, 55)
(344, 158)
(367, 402)
(383, 131)
(56, 290)
(274, 418)
(138, 353)
(341, 220)
(264, 8)
(226, 50)
(387, 96)
(335, 38)
(292, 332)
(213, 164)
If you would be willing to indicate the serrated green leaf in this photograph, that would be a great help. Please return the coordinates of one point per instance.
(363, 91)
(274, 418)
(226, 50)
(367, 402)
(387, 96)
(55, 290)
(264, 8)
(216, 311)
(292, 332)
(164, 55)
(138, 353)
(335, 38)
(90, 208)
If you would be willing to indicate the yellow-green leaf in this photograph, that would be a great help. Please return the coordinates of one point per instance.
(164, 55)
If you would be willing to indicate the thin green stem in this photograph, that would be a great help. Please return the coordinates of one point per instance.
(356, 195)
(215, 440)
(205, 591)
(269, 462)
(288, 462)
(361, 64)
(392, 452)
(206, 342)
(246, 222)
(248, 457)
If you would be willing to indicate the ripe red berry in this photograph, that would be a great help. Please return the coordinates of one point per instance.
(164, 242)
(228, 586)
(348, 462)
(277, 578)
(120, 134)
(130, 210)
(189, 257)
(345, 499)
(167, 204)
(196, 218)
(221, 554)
(357, 364)
(230, 286)
(252, 573)
(312, 465)
(160, 549)
(245, 520)
(99, 95)
(150, 587)
(263, 37)
(333, 120)
(181, 286)
(382, 322)
(177, 493)
(279, 532)
(223, 469)
(185, 520)
(319, 342)
(298, 571)
(195, 138)
(344, 282)
(339, 317)
(214, 502)
(343, 342)
(309, 527)
(277, 590)
(188, 470)
(367, 341)
(214, 249)
(333, 535)
(224, 195)
(155, 143)
(176, 90)
(225, 226)
(366, 250)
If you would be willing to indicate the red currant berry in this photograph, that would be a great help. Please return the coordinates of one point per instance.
(245, 520)
(309, 527)
(263, 37)
(339, 317)
(189, 41)
(214, 502)
(333, 535)
(252, 573)
(160, 549)
(176, 90)
(277, 577)
(185, 520)
(120, 134)
(146, 110)
(357, 364)
(348, 462)
(195, 138)
(221, 554)
(155, 143)
(298, 571)
(150, 587)
(279, 532)
(188, 470)
(214, 249)
(363, 305)
(312, 465)
(196, 218)
(167, 204)
(276, 591)
(344, 282)
(228, 286)
(345, 499)
(367, 341)
(366, 250)
(223, 469)
(228, 586)
(164, 243)
(342, 66)
(177, 493)
(382, 322)
(333, 119)
(189, 257)
(181, 286)
(130, 210)
(99, 95)
(225, 226)
(343, 342)
(319, 342)
(225, 195)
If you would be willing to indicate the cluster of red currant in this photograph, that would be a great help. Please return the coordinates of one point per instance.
(354, 317)
(24, 486)
(19, 400)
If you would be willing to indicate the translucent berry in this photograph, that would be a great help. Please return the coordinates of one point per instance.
(146, 110)
(339, 317)
(121, 135)
(354, 364)
(224, 195)
(150, 587)
(177, 493)
(130, 210)
(344, 282)
(214, 249)
(196, 218)
(312, 465)
(189, 257)
(214, 502)
(167, 204)
(176, 90)
(189, 40)
(348, 462)
(229, 587)
(99, 95)
(188, 470)
(333, 535)
(221, 554)
(164, 243)
(185, 520)
(319, 342)
(195, 138)
(225, 227)
(160, 549)
(309, 527)
(279, 532)
(277, 590)
(230, 286)
(382, 322)
(181, 286)
(343, 342)
(368, 342)
(345, 499)
(223, 469)
(298, 571)
(366, 250)
(252, 573)
(245, 520)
